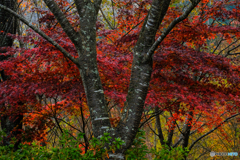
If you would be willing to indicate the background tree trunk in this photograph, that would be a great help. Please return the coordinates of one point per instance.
(11, 124)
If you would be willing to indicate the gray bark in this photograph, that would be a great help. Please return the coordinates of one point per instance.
(141, 72)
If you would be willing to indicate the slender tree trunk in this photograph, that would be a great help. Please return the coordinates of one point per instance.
(11, 124)
(186, 130)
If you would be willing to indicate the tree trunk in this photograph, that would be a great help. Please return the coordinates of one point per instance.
(10, 124)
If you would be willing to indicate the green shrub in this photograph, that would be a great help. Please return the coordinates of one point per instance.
(138, 149)
(177, 153)
(69, 149)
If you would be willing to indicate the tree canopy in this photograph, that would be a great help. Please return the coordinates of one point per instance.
(119, 68)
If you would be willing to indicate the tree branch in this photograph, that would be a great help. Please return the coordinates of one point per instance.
(170, 27)
(41, 33)
(105, 18)
(153, 115)
(228, 53)
(181, 138)
(67, 27)
(218, 44)
(232, 54)
(212, 130)
(228, 46)
(140, 73)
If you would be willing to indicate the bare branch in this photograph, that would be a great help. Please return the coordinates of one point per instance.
(41, 33)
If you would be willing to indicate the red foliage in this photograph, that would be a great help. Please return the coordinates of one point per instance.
(181, 73)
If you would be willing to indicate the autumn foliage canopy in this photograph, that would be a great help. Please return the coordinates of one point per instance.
(188, 73)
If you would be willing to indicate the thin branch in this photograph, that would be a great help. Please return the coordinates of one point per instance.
(197, 119)
(232, 54)
(169, 28)
(132, 29)
(180, 139)
(114, 18)
(228, 46)
(58, 124)
(212, 130)
(178, 127)
(152, 130)
(228, 53)
(69, 125)
(41, 33)
(63, 21)
(149, 118)
(70, 7)
(105, 18)
(218, 44)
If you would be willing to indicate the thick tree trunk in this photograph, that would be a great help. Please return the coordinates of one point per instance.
(11, 124)
(141, 72)
(85, 43)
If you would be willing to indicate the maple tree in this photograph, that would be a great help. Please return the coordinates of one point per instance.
(194, 89)
(185, 81)
(205, 82)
